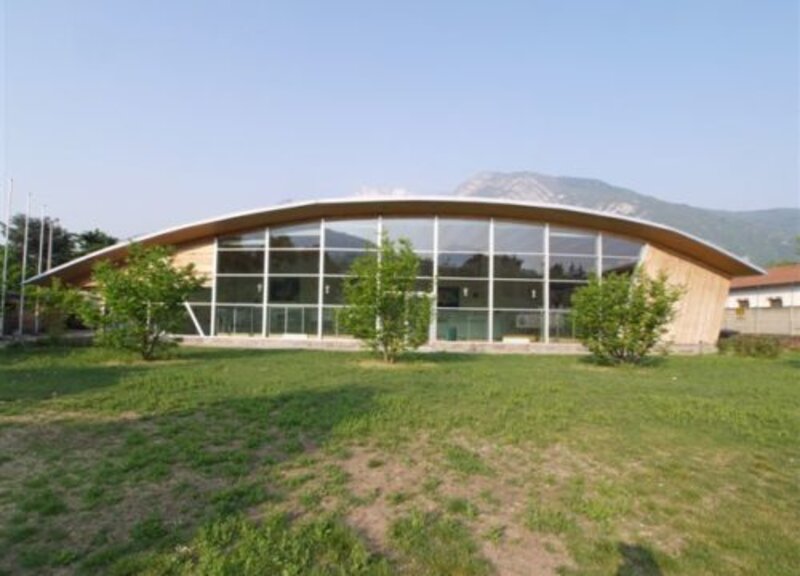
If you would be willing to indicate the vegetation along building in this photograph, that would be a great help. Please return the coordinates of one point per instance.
(499, 271)
(768, 304)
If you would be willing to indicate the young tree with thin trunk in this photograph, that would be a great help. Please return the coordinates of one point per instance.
(384, 308)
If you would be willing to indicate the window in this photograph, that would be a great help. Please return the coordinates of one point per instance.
(240, 262)
(296, 236)
(463, 235)
(776, 302)
(418, 231)
(351, 234)
(743, 303)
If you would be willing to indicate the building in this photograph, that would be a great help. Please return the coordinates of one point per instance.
(499, 271)
(767, 304)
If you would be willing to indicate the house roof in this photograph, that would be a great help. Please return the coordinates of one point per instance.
(775, 276)
(658, 234)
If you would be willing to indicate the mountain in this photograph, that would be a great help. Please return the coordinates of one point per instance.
(761, 236)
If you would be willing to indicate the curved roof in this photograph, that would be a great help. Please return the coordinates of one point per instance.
(680, 242)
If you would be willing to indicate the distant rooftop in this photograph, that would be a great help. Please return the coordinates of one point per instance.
(776, 276)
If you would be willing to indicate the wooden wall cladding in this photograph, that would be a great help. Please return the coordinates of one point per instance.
(201, 254)
(702, 307)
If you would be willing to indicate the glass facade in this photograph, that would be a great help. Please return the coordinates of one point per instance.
(489, 279)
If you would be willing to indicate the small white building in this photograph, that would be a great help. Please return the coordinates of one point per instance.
(768, 304)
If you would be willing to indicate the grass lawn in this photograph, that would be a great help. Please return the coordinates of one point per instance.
(298, 462)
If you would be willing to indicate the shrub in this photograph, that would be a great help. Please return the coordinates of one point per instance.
(621, 318)
(142, 301)
(57, 303)
(754, 345)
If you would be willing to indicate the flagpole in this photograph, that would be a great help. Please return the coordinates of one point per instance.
(4, 281)
(39, 266)
(53, 222)
(21, 326)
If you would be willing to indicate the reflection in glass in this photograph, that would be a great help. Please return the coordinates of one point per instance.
(254, 239)
(463, 294)
(352, 234)
(239, 320)
(561, 295)
(301, 290)
(240, 262)
(615, 246)
(572, 267)
(619, 265)
(517, 266)
(518, 294)
(463, 235)
(333, 290)
(418, 231)
(518, 324)
(202, 314)
(425, 264)
(202, 294)
(295, 236)
(294, 262)
(455, 325)
(564, 241)
(332, 322)
(562, 326)
(284, 320)
(240, 290)
(518, 237)
(464, 265)
(341, 262)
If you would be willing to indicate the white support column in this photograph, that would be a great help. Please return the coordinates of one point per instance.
(599, 254)
(435, 280)
(321, 271)
(213, 329)
(546, 323)
(491, 280)
(264, 315)
(194, 319)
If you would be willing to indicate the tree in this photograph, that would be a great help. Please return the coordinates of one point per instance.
(65, 246)
(62, 247)
(56, 303)
(141, 301)
(90, 241)
(620, 318)
(384, 309)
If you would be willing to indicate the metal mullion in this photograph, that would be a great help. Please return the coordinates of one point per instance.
(435, 281)
(321, 280)
(490, 336)
(213, 329)
(599, 253)
(546, 281)
(264, 314)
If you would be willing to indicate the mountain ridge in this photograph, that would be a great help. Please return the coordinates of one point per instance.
(761, 236)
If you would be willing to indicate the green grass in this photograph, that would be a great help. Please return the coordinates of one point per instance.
(254, 462)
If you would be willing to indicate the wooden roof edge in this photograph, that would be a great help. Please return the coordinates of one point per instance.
(652, 232)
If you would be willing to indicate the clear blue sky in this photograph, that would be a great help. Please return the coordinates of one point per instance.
(130, 115)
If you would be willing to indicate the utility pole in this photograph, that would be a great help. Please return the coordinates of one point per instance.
(20, 328)
(7, 236)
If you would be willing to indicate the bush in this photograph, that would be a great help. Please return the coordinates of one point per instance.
(141, 302)
(753, 345)
(621, 318)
